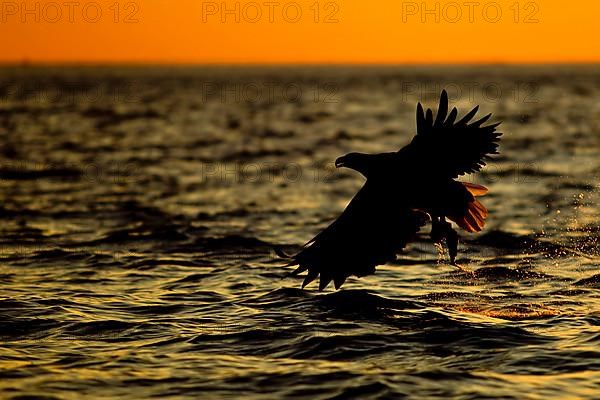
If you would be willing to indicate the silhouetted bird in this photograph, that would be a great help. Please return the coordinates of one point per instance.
(405, 189)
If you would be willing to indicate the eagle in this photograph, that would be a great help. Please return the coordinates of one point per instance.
(403, 191)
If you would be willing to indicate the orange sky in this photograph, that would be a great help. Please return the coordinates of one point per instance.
(385, 31)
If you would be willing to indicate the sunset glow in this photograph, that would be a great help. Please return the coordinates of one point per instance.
(349, 31)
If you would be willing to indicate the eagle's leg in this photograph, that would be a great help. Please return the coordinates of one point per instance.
(438, 234)
(452, 243)
(440, 230)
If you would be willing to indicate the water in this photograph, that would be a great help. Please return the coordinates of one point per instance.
(140, 206)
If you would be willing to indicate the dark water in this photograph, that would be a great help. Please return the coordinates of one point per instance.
(139, 209)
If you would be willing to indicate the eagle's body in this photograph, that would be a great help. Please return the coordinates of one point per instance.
(403, 190)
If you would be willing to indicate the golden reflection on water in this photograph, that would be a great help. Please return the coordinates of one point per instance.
(135, 273)
(516, 313)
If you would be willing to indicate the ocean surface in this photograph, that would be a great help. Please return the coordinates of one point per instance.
(140, 207)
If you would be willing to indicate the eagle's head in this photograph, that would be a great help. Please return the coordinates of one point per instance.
(357, 161)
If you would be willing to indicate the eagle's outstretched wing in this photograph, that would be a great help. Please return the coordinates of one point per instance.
(446, 147)
(370, 232)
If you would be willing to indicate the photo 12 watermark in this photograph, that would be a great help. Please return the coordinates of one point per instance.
(472, 91)
(270, 11)
(115, 173)
(51, 12)
(470, 11)
(269, 92)
(265, 172)
(24, 252)
(72, 94)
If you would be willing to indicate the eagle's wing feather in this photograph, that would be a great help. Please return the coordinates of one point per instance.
(443, 147)
(369, 232)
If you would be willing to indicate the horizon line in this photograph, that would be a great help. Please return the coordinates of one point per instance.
(133, 63)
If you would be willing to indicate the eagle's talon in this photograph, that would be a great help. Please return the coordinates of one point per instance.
(452, 243)
(441, 231)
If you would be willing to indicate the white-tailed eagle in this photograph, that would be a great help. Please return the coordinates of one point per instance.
(403, 190)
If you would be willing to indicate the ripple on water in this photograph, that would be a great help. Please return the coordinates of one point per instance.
(137, 240)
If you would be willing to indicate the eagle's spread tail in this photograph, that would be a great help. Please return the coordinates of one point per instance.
(474, 219)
